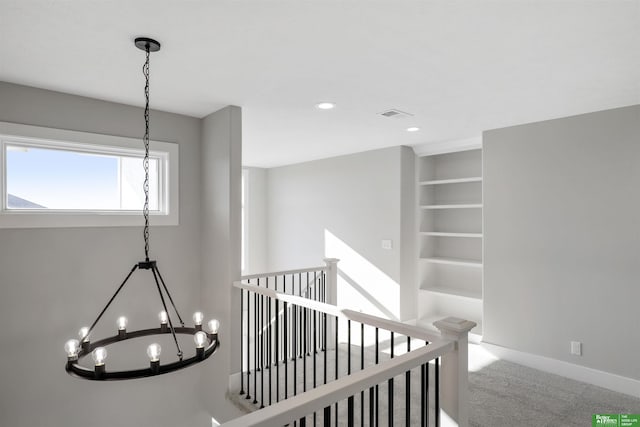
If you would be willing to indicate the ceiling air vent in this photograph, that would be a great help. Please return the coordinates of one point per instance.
(396, 114)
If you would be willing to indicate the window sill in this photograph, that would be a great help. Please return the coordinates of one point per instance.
(72, 219)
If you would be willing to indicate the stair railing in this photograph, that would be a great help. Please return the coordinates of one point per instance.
(308, 361)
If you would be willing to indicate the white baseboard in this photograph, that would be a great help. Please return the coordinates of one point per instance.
(234, 382)
(565, 369)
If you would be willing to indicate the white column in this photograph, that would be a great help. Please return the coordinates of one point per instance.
(454, 375)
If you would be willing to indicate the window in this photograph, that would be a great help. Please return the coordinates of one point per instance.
(75, 179)
(80, 179)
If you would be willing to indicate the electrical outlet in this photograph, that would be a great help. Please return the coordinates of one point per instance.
(576, 348)
(387, 244)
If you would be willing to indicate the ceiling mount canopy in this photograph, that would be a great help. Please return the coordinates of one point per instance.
(206, 342)
(145, 43)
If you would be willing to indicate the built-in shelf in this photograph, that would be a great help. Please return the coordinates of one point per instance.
(448, 234)
(452, 181)
(456, 206)
(463, 293)
(449, 197)
(454, 261)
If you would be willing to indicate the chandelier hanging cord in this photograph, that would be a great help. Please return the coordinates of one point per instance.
(145, 211)
(145, 162)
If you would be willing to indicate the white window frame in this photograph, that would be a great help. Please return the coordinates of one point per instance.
(42, 137)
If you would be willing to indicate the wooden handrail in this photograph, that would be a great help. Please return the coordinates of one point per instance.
(344, 313)
(285, 272)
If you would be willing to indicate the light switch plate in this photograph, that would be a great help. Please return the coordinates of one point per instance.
(387, 244)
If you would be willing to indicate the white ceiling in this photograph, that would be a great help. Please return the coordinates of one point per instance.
(459, 66)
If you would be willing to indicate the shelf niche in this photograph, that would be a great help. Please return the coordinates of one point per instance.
(449, 196)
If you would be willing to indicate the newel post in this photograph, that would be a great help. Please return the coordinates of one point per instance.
(332, 297)
(454, 387)
(332, 280)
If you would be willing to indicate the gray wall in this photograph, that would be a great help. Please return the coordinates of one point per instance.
(408, 230)
(221, 175)
(343, 207)
(52, 281)
(562, 238)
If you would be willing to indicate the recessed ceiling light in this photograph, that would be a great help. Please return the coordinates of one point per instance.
(413, 129)
(325, 105)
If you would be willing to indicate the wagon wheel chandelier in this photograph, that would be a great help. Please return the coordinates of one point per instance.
(206, 342)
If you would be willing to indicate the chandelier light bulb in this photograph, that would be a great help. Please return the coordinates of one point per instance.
(153, 351)
(83, 333)
(163, 317)
(122, 323)
(200, 339)
(214, 325)
(99, 355)
(72, 347)
(197, 318)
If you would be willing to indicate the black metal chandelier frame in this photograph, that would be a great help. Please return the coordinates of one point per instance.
(206, 342)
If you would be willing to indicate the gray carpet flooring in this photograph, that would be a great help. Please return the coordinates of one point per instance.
(501, 394)
(507, 394)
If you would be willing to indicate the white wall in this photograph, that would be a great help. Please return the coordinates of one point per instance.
(343, 207)
(562, 238)
(256, 217)
(52, 281)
